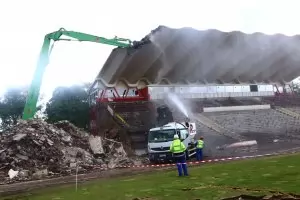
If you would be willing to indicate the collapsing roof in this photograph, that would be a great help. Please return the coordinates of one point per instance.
(209, 56)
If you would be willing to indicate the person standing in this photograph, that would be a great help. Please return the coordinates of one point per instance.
(178, 150)
(199, 149)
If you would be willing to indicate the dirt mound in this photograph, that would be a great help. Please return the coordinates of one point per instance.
(267, 197)
(34, 149)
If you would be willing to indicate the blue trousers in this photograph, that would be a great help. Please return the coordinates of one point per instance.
(199, 154)
(181, 165)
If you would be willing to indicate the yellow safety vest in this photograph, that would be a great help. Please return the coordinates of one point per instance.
(177, 146)
(200, 144)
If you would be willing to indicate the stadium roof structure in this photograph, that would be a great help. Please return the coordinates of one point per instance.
(187, 55)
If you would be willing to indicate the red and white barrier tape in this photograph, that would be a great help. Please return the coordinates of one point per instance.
(196, 162)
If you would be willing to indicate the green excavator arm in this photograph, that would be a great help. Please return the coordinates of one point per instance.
(34, 90)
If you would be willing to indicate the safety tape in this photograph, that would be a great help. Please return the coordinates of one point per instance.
(216, 160)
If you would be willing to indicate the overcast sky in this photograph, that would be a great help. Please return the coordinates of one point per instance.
(25, 22)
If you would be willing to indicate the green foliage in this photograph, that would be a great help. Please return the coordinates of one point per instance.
(69, 103)
(12, 106)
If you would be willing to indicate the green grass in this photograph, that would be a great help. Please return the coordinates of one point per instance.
(259, 176)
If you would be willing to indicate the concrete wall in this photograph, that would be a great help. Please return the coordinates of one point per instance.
(261, 121)
(236, 108)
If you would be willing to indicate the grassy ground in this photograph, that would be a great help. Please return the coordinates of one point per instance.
(259, 176)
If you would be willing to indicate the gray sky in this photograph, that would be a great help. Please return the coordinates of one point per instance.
(25, 22)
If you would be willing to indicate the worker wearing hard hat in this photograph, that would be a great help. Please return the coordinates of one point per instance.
(178, 150)
(199, 149)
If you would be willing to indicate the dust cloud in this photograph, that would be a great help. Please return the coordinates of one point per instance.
(216, 56)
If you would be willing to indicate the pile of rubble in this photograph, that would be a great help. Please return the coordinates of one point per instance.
(34, 149)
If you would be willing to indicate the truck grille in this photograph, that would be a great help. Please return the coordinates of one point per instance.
(161, 149)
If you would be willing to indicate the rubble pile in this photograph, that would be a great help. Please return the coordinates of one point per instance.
(120, 135)
(33, 149)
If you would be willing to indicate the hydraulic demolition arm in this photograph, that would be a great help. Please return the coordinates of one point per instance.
(34, 90)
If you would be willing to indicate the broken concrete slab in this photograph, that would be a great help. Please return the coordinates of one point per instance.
(73, 165)
(22, 157)
(24, 173)
(96, 144)
(12, 173)
(40, 174)
(19, 136)
(33, 146)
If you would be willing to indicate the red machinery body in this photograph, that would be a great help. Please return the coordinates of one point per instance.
(112, 95)
(130, 108)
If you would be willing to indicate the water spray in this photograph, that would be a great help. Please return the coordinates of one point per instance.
(238, 144)
(178, 103)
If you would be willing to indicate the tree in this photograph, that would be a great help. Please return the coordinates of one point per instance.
(12, 105)
(69, 103)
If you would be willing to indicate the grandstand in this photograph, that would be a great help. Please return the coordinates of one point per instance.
(236, 85)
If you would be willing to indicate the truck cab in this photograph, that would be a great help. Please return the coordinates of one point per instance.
(160, 139)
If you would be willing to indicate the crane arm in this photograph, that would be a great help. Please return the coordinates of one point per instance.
(119, 42)
(34, 90)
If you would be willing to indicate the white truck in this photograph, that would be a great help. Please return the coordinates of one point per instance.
(160, 139)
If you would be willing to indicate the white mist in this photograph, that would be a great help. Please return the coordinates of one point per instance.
(178, 103)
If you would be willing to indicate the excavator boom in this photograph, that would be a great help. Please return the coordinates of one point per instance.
(34, 90)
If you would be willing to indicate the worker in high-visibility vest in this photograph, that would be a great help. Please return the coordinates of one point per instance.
(199, 149)
(178, 150)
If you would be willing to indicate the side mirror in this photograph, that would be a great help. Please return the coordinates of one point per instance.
(187, 124)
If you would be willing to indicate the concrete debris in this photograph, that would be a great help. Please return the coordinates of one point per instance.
(71, 129)
(116, 152)
(96, 144)
(24, 173)
(11, 173)
(40, 174)
(34, 149)
(19, 137)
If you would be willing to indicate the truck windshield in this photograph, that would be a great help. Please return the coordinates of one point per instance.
(161, 135)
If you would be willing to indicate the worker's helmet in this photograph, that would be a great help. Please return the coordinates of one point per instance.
(176, 136)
